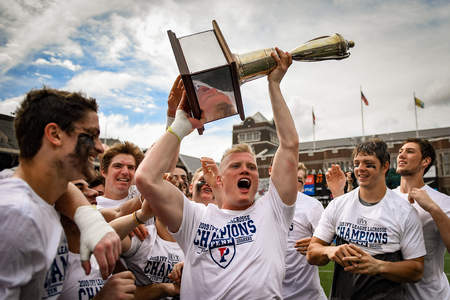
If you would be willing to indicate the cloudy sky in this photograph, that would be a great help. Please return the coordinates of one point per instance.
(118, 52)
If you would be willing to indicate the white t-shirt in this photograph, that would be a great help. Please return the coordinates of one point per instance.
(78, 285)
(57, 273)
(30, 234)
(390, 229)
(234, 254)
(434, 284)
(103, 202)
(153, 259)
(386, 227)
(302, 279)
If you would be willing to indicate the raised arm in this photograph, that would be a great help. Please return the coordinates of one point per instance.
(165, 199)
(439, 216)
(284, 168)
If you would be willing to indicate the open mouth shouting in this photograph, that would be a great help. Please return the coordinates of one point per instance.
(203, 187)
(244, 184)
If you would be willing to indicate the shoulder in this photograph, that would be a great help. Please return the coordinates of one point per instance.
(346, 199)
(396, 202)
(304, 200)
(17, 196)
(436, 194)
(441, 199)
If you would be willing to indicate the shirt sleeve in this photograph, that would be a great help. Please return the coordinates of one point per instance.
(326, 228)
(283, 213)
(314, 215)
(191, 213)
(135, 245)
(412, 244)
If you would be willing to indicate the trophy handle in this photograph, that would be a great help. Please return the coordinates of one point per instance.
(259, 63)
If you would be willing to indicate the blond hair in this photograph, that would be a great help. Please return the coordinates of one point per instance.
(301, 166)
(238, 148)
(196, 174)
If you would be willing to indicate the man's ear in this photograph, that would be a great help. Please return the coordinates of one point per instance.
(386, 167)
(52, 133)
(426, 161)
(219, 181)
(190, 189)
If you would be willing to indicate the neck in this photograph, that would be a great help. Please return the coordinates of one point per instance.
(47, 182)
(374, 194)
(110, 194)
(163, 232)
(411, 181)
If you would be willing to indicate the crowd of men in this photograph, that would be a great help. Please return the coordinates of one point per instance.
(155, 235)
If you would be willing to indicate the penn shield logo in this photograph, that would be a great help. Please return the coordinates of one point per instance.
(222, 251)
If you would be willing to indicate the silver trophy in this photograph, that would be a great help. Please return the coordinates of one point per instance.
(212, 74)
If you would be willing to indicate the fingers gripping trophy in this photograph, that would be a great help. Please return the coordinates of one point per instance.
(212, 74)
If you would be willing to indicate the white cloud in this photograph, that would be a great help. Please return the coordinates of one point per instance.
(110, 89)
(144, 135)
(99, 83)
(9, 106)
(58, 62)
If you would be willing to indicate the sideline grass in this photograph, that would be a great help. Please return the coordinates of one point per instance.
(326, 273)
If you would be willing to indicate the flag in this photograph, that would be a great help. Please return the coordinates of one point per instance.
(419, 102)
(313, 117)
(364, 99)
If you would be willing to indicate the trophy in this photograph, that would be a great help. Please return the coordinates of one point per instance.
(212, 75)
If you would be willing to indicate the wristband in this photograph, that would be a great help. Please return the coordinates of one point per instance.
(138, 221)
(181, 127)
(172, 132)
(93, 228)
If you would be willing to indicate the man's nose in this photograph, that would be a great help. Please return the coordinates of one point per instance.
(98, 146)
(124, 170)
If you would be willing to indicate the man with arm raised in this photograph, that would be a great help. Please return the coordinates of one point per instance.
(228, 250)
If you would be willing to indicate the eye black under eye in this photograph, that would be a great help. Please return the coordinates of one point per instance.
(86, 136)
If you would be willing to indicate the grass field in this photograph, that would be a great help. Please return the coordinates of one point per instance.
(326, 273)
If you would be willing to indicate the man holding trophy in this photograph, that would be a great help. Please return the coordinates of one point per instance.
(229, 250)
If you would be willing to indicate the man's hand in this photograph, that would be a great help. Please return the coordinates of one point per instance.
(283, 60)
(335, 180)
(106, 252)
(177, 272)
(338, 253)
(118, 286)
(302, 245)
(140, 231)
(98, 237)
(362, 262)
(175, 97)
(422, 198)
(183, 123)
(210, 171)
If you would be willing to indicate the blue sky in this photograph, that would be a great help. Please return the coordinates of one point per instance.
(119, 53)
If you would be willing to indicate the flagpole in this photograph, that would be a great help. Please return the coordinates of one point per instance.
(314, 131)
(362, 114)
(415, 113)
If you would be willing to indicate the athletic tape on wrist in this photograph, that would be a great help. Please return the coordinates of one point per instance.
(181, 127)
(169, 121)
(93, 228)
